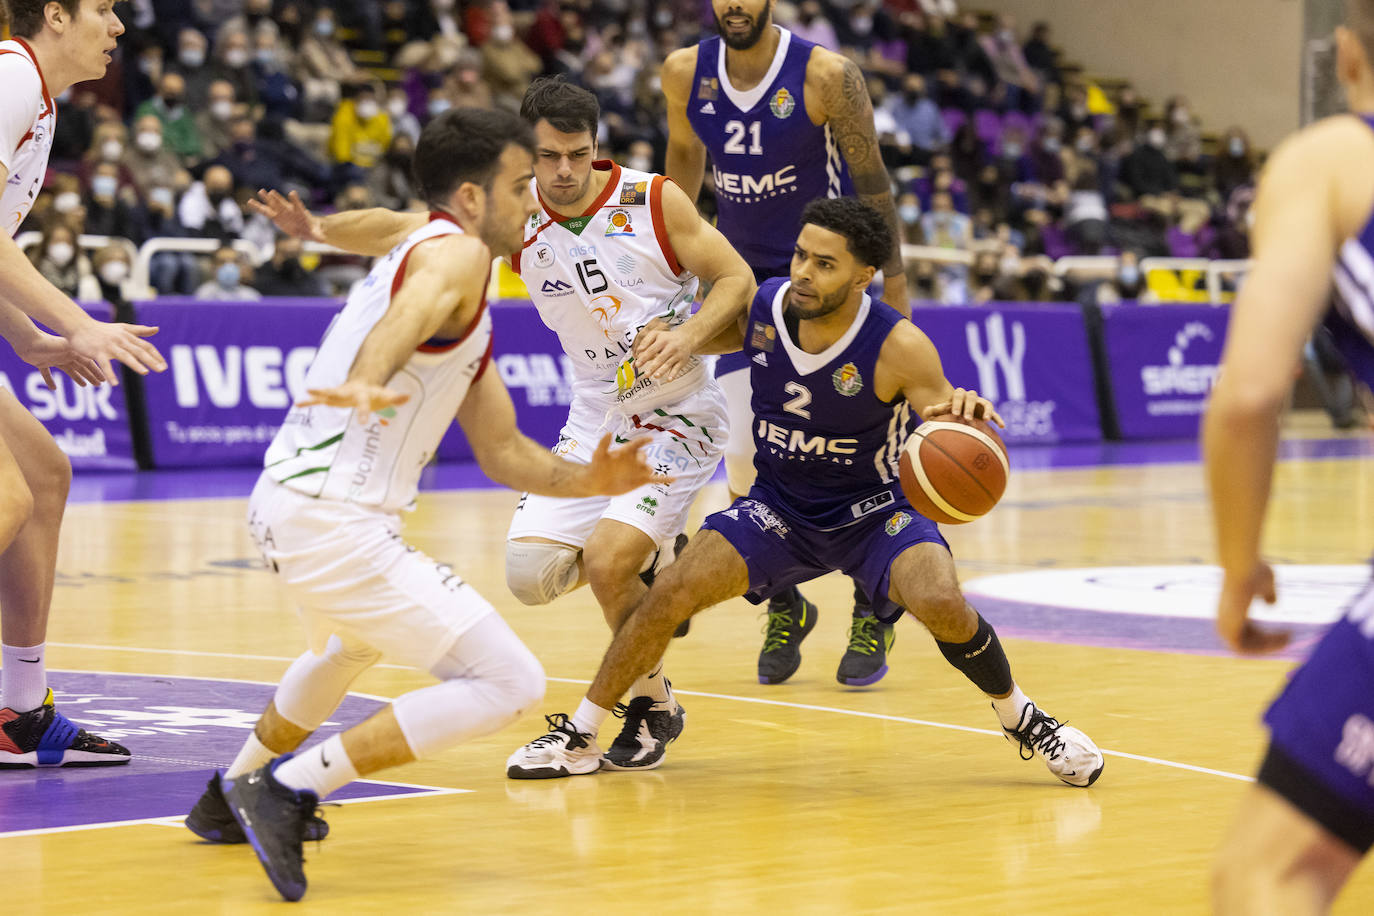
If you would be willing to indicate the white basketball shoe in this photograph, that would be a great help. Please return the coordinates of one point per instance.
(1068, 753)
(564, 751)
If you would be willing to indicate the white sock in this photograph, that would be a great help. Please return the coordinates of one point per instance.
(653, 684)
(589, 717)
(322, 769)
(24, 677)
(252, 755)
(1009, 708)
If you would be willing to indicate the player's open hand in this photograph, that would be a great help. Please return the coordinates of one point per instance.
(46, 352)
(613, 471)
(966, 403)
(363, 397)
(102, 343)
(288, 214)
(661, 352)
(1233, 612)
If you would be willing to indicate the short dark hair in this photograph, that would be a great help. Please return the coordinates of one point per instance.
(26, 16)
(465, 144)
(570, 109)
(868, 235)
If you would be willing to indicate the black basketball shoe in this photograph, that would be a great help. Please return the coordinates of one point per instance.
(865, 661)
(43, 737)
(649, 728)
(274, 819)
(212, 820)
(787, 626)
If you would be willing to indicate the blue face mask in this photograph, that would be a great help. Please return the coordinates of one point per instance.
(104, 185)
(227, 276)
(909, 213)
(1130, 275)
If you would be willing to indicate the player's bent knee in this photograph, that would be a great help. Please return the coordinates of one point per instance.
(937, 609)
(537, 573)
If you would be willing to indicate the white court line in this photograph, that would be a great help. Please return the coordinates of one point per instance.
(1158, 761)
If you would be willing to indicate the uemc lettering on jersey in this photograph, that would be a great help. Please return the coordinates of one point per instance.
(794, 444)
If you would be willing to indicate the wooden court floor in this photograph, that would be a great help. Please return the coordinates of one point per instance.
(801, 798)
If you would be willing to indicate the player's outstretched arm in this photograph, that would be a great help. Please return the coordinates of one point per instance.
(910, 364)
(439, 281)
(849, 112)
(1297, 233)
(371, 232)
(703, 251)
(512, 459)
(685, 159)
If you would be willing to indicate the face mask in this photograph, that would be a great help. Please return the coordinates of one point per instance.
(443, 5)
(147, 65)
(1157, 138)
(1010, 265)
(1051, 144)
(66, 202)
(396, 107)
(324, 28)
(861, 25)
(173, 104)
(1236, 146)
(163, 197)
(266, 57)
(908, 213)
(1180, 116)
(236, 57)
(227, 276)
(1129, 275)
(639, 163)
(61, 253)
(912, 96)
(222, 109)
(104, 185)
(984, 277)
(1084, 144)
(367, 110)
(192, 58)
(1011, 150)
(148, 141)
(114, 273)
(663, 18)
(503, 33)
(1034, 283)
(218, 197)
(111, 150)
(1079, 111)
(438, 107)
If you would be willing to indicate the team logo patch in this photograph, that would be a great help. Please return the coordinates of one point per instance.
(782, 104)
(543, 255)
(648, 504)
(555, 288)
(764, 517)
(847, 379)
(709, 88)
(633, 194)
(618, 224)
(762, 337)
(898, 521)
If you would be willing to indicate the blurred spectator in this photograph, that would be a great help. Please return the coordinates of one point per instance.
(1234, 164)
(640, 156)
(276, 90)
(108, 145)
(983, 277)
(1039, 56)
(322, 65)
(140, 80)
(928, 46)
(212, 123)
(193, 63)
(233, 63)
(284, 275)
(925, 281)
(917, 117)
(1009, 65)
(943, 227)
(109, 210)
(1184, 138)
(179, 133)
(398, 108)
(112, 266)
(230, 279)
(208, 207)
(1147, 171)
(507, 64)
(255, 14)
(909, 217)
(59, 261)
(812, 25)
(390, 183)
(169, 272)
(148, 162)
(360, 133)
(1085, 217)
(1128, 111)
(75, 124)
(1074, 111)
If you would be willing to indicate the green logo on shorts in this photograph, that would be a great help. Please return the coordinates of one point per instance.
(648, 504)
(898, 521)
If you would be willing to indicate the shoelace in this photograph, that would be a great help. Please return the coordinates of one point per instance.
(1047, 740)
(560, 726)
(864, 635)
(639, 706)
(777, 628)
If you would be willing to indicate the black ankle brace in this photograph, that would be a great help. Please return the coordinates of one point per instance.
(981, 660)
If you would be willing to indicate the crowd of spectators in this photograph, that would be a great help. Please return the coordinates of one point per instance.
(995, 151)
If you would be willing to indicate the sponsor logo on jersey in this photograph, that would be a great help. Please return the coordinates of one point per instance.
(799, 443)
(872, 504)
(543, 255)
(708, 108)
(895, 524)
(761, 359)
(762, 337)
(619, 224)
(582, 251)
(708, 88)
(847, 379)
(632, 194)
(625, 264)
(752, 188)
(782, 104)
(555, 288)
(764, 517)
(605, 312)
(648, 504)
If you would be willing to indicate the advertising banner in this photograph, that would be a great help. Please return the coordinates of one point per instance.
(1031, 360)
(90, 424)
(1163, 362)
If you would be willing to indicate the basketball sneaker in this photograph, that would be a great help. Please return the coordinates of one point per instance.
(43, 737)
(212, 820)
(649, 728)
(564, 751)
(1069, 754)
(783, 633)
(274, 819)
(661, 560)
(865, 661)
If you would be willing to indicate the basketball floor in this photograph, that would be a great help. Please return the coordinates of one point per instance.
(807, 797)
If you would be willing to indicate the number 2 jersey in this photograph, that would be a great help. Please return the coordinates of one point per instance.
(825, 447)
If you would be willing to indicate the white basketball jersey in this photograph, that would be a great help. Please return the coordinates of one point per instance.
(326, 452)
(598, 278)
(27, 119)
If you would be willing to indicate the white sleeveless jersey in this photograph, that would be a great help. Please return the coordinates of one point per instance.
(27, 119)
(597, 279)
(325, 452)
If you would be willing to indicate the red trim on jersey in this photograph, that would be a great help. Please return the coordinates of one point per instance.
(47, 99)
(657, 429)
(661, 226)
(486, 360)
(600, 165)
(440, 214)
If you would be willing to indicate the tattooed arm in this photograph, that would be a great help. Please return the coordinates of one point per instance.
(844, 104)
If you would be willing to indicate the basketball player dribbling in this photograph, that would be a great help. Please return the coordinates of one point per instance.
(831, 366)
(1303, 828)
(784, 122)
(411, 347)
(56, 44)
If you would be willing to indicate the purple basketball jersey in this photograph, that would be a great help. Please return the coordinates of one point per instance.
(1351, 318)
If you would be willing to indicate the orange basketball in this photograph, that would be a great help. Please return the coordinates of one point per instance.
(954, 470)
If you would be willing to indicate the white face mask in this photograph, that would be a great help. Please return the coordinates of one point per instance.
(1157, 138)
(66, 202)
(236, 57)
(222, 110)
(191, 57)
(163, 197)
(61, 253)
(503, 33)
(367, 110)
(396, 107)
(438, 107)
(148, 141)
(114, 273)
(639, 163)
(104, 186)
(111, 150)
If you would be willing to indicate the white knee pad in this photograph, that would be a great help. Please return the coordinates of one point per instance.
(314, 685)
(739, 450)
(538, 573)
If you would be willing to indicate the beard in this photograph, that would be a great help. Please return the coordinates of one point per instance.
(750, 38)
(824, 304)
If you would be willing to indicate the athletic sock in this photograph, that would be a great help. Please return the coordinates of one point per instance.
(252, 755)
(589, 717)
(322, 769)
(24, 677)
(1009, 709)
(653, 684)
(863, 607)
(785, 599)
